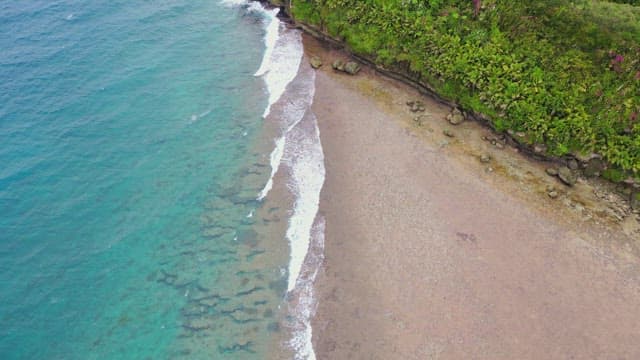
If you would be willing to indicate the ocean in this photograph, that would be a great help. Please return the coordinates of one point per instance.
(159, 182)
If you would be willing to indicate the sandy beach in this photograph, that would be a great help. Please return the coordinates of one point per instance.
(431, 253)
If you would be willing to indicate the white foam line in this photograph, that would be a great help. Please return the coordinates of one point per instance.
(283, 51)
(270, 39)
(235, 3)
(306, 161)
(282, 58)
(275, 157)
(304, 157)
(306, 305)
(287, 57)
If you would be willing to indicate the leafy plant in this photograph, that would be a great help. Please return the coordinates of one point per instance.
(564, 72)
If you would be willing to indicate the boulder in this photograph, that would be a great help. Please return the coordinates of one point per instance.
(416, 106)
(315, 62)
(351, 68)
(456, 117)
(552, 171)
(338, 65)
(594, 167)
(484, 158)
(540, 149)
(567, 176)
(420, 119)
(635, 201)
(573, 164)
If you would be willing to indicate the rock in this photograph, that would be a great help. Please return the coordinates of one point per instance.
(594, 167)
(584, 158)
(484, 158)
(567, 176)
(351, 68)
(416, 106)
(552, 171)
(456, 117)
(338, 65)
(448, 133)
(572, 164)
(499, 145)
(540, 149)
(315, 62)
(553, 194)
(635, 201)
(420, 120)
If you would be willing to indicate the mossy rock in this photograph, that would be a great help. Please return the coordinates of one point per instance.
(635, 201)
(614, 175)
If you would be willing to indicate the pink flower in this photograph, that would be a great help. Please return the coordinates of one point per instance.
(476, 7)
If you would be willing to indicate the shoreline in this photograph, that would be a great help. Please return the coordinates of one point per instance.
(295, 180)
(431, 253)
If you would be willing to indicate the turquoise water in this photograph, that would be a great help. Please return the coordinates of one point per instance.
(127, 129)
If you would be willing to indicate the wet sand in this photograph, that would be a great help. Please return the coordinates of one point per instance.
(432, 254)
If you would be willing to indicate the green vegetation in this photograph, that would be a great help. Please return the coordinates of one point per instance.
(565, 73)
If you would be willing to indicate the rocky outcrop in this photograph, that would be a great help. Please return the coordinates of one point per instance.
(635, 201)
(350, 67)
(567, 176)
(455, 117)
(315, 62)
(338, 65)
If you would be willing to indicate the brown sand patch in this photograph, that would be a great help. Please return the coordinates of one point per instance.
(431, 253)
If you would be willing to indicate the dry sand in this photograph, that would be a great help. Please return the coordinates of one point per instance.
(431, 254)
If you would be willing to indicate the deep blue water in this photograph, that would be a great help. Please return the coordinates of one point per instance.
(124, 129)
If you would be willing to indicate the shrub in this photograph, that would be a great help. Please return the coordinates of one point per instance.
(564, 72)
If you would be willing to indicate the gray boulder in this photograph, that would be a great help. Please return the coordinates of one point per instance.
(351, 68)
(416, 106)
(315, 62)
(552, 171)
(338, 65)
(635, 201)
(594, 167)
(567, 176)
(456, 117)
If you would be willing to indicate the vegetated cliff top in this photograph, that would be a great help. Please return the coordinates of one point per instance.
(565, 73)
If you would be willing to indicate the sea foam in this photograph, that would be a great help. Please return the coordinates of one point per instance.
(275, 159)
(280, 66)
(282, 58)
(304, 305)
(297, 148)
(283, 51)
(303, 161)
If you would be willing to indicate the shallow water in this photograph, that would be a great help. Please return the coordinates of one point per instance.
(131, 148)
